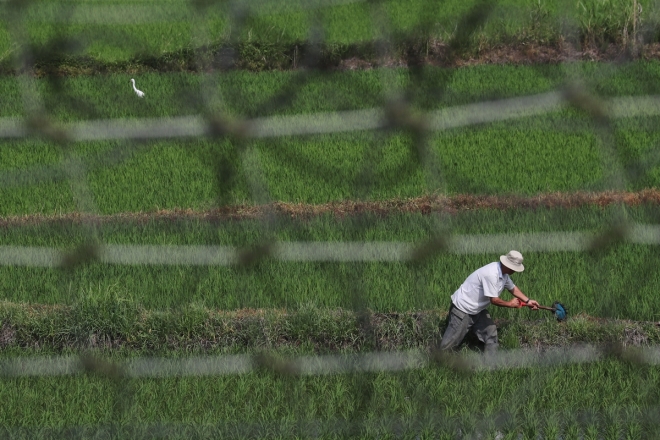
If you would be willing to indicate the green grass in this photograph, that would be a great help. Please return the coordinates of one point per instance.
(320, 169)
(556, 152)
(608, 399)
(124, 30)
(429, 402)
(550, 153)
(249, 94)
(112, 324)
(597, 284)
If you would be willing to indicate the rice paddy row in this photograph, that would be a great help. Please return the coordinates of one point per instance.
(557, 152)
(125, 30)
(250, 94)
(429, 403)
(595, 282)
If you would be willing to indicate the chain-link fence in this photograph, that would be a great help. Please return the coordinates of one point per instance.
(603, 227)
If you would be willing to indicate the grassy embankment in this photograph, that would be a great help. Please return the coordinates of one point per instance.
(124, 35)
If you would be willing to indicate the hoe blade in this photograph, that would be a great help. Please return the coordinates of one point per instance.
(560, 311)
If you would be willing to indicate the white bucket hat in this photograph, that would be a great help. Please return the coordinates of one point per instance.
(513, 260)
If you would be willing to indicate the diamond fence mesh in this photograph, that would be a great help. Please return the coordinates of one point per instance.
(88, 251)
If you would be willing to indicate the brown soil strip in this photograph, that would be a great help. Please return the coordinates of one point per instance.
(439, 53)
(356, 57)
(424, 205)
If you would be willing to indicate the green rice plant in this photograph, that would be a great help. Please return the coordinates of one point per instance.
(170, 177)
(112, 312)
(326, 169)
(245, 93)
(126, 31)
(589, 282)
(166, 175)
(373, 404)
(44, 330)
(606, 21)
(559, 152)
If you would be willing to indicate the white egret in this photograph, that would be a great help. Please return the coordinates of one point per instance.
(140, 93)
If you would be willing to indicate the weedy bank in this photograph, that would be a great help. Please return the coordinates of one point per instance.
(177, 34)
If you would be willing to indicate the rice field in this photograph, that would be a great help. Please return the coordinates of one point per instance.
(185, 174)
(560, 151)
(428, 403)
(255, 94)
(593, 283)
(124, 29)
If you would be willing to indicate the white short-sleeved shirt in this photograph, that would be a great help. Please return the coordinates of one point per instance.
(484, 283)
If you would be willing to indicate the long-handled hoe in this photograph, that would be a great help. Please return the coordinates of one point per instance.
(557, 309)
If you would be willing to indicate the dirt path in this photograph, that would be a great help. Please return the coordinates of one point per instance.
(351, 57)
(423, 205)
(528, 53)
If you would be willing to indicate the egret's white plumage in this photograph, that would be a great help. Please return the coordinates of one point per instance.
(140, 93)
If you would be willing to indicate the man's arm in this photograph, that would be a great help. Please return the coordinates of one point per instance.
(491, 291)
(514, 303)
(524, 298)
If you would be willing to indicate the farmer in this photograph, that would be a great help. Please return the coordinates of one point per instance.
(469, 304)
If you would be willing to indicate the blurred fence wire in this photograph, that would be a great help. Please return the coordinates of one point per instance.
(191, 255)
(395, 113)
(375, 362)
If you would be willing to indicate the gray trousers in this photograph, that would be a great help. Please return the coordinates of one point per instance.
(460, 323)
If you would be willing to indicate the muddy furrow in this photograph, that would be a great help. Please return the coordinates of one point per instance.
(424, 205)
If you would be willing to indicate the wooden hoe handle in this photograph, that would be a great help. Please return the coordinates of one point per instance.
(552, 309)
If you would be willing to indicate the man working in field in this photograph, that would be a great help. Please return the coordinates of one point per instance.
(483, 287)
